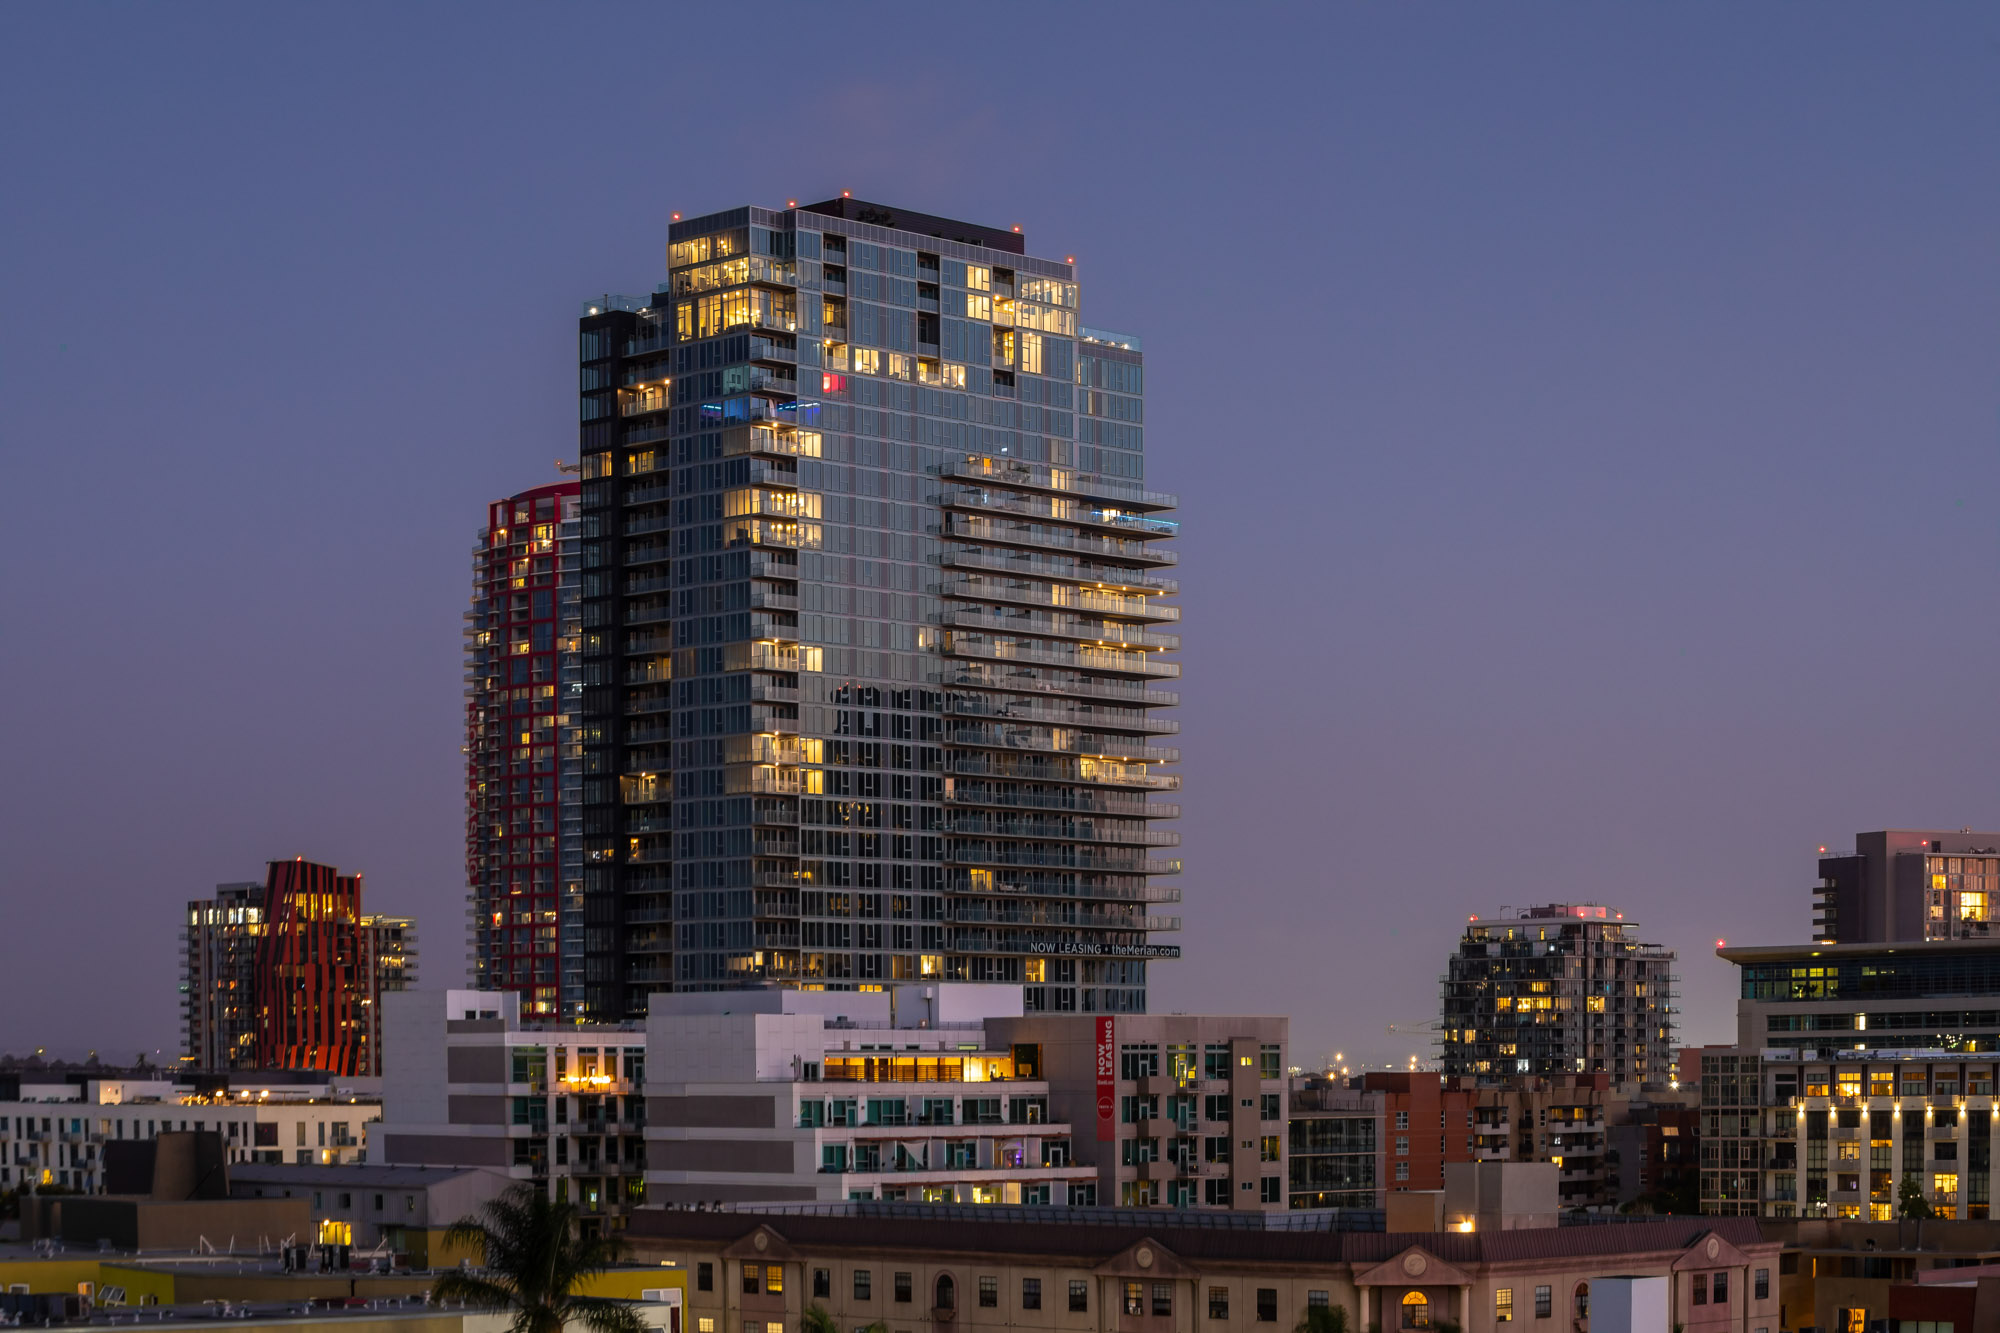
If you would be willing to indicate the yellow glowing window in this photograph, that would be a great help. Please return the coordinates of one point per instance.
(978, 307)
(1850, 1085)
(867, 361)
(1031, 353)
(979, 277)
(1596, 1004)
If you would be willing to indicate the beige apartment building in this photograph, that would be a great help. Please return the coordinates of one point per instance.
(1109, 1271)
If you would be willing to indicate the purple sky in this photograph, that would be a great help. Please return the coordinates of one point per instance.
(1584, 415)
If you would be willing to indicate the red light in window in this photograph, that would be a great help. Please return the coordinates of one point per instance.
(829, 383)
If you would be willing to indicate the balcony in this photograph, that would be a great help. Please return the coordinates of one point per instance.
(1103, 832)
(779, 442)
(982, 766)
(1056, 510)
(1066, 858)
(1104, 633)
(985, 528)
(1028, 678)
(975, 644)
(1068, 801)
(1032, 738)
(1027, 565)
(1059, 598)
(1057, 481)
(1080, 716)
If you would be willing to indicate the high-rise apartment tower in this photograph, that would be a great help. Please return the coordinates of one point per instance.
(523, 766)
(1567, 988)
(289, 974)
(1909, 884)
(873, 613)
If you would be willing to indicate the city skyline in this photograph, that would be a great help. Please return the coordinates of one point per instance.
(1550, 553)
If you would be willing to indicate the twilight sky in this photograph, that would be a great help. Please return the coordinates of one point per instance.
(1584, 415)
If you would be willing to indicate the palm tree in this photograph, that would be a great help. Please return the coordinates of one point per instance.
(534, 1264)
(1322, 1319)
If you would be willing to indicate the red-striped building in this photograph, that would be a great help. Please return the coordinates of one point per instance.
(320, 968)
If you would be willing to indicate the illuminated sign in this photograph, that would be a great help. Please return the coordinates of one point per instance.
(1107, 1079)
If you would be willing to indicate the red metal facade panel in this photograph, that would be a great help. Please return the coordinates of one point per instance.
(313, 972)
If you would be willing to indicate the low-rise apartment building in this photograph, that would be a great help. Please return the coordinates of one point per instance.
(1563, 1119)
(54, 1133)
(950, 1093)
(467, 1083)
(1334, 1144)
(920, 1270)
(1188, 1110)
(789, 1095)
(1857, 1068)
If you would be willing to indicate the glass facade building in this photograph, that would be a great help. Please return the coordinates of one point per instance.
(874, 621)
(523, 765)
(1566, 988)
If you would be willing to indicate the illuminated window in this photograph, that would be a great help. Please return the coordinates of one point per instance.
(867, 361)
(1503, 1306)
(979, 277)
(1416, 1310)
(1031, 361)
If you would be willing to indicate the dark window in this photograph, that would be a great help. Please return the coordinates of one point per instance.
(1267, 1305)
(1720, 1286)
(1583, 1300)
(947, 1293)
(1031, 1293)
(753, 1279)
(989, 1292)
(1700, 1288)
(902, 1286)
(823, 1283)
(1079, 1296)
(1218, 1302)
(1163, 1298)
(1545, 1303)
(864, 1285)
(704, 1277)
(1763, 1284)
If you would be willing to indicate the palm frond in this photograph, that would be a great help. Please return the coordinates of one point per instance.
(478, 1292)
(605, 1316)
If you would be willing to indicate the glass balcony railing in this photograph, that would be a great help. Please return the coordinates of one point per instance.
(1083, 716)
(986, 528)
(1029, 565)
(1002, 736)
(1056, 509)
(1066, 800)
(1084, 659)
(1059, 626)
(1052, 679)
(1061, 480)
(1060, 596)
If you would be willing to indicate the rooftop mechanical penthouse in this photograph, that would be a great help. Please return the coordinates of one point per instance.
(875, 621)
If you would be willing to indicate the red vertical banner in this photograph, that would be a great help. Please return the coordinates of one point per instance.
(1107, 1080)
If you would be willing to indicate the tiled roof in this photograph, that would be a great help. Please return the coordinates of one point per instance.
(1098, 1243)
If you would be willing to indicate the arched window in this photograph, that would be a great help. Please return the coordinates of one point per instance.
(1582, 1301)
(947, 1293)
(1416, 1310)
